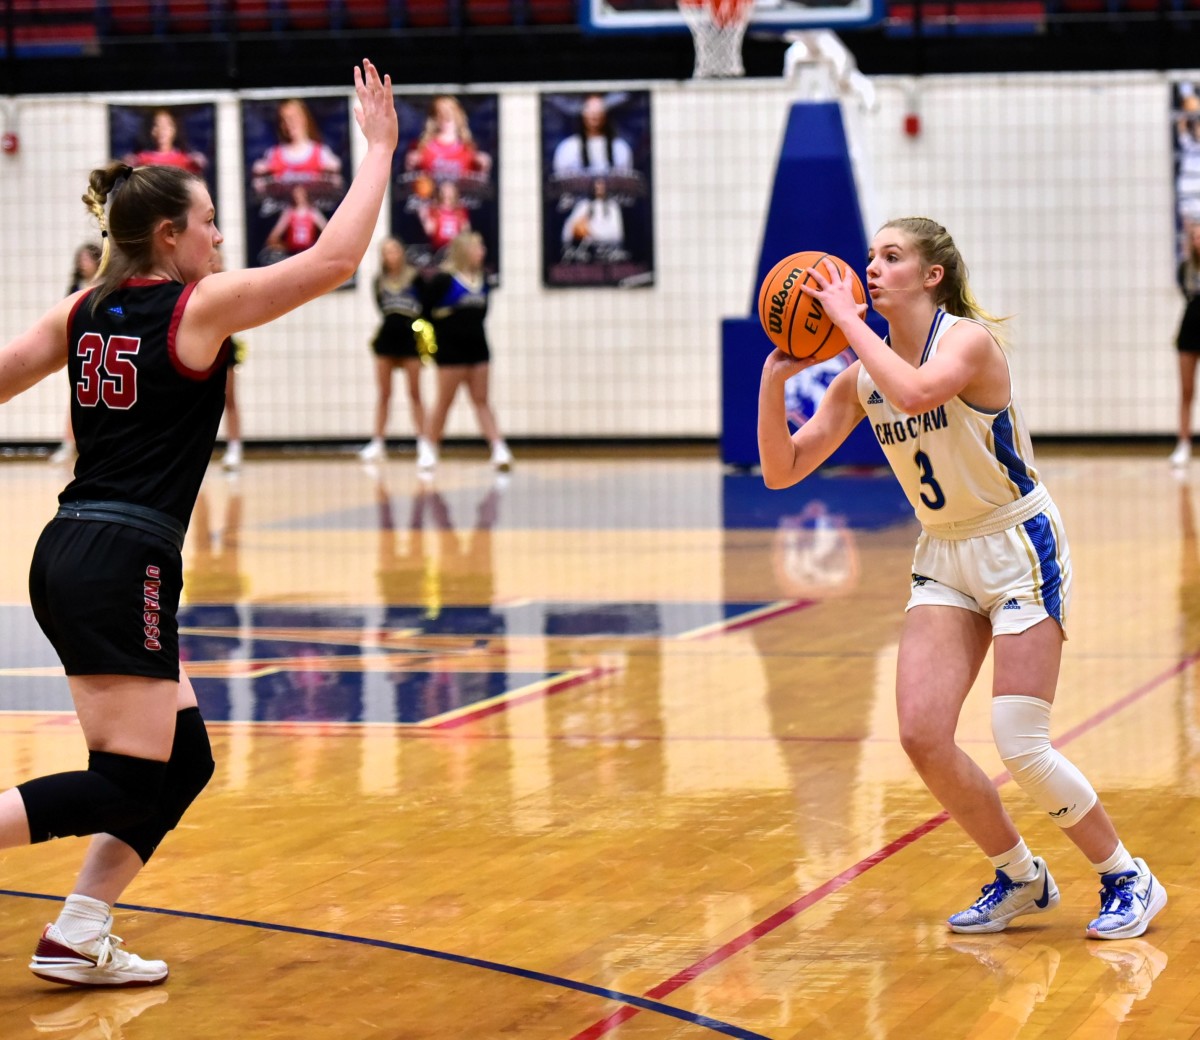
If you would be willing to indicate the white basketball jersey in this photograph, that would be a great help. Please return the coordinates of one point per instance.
(955, 462)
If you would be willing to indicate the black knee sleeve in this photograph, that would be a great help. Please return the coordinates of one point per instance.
(115, 791)
(189, 769)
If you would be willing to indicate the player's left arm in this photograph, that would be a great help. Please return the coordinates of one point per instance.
(37, 352)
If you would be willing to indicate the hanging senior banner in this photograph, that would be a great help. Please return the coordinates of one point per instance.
(597, 226)
(166, 135)
(297, 163)
(1185, 128)
(444, 178)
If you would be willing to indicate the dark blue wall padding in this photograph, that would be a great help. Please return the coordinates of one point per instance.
(814, 205)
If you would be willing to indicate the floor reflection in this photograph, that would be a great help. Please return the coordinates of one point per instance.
(1023, 975)
(100, 1015)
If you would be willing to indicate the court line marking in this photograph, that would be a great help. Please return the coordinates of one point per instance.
(642, 1003)
(564, 681)
(768, 612)
(839, 881)
(511, 698)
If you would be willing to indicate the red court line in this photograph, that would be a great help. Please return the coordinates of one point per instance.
(736, 624)
(827, 888)
(755, 933)
(550, 689)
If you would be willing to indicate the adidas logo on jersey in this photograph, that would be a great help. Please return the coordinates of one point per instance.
(116, 310)
(874, 398)
(1012, 604)
(919, 579)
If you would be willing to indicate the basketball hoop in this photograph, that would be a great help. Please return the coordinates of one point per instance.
(717, 28)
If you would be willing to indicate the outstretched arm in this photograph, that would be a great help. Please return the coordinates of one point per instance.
(231, 301)
(36, 352)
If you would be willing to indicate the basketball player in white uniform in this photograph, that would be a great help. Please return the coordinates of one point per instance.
(991, 566)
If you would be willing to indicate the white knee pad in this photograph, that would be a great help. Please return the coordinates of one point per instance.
(1021, 728)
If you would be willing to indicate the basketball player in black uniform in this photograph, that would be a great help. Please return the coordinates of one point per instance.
(145, 350)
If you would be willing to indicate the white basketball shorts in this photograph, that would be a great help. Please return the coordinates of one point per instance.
(1016, 577)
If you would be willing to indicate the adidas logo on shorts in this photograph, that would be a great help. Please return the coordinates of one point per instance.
(874, 398)
(1012, 604)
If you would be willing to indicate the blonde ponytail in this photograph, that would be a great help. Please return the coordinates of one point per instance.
(936, 247)
(128, 203)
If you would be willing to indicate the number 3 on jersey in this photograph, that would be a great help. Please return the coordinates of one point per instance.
(108, 373)
(936, 498)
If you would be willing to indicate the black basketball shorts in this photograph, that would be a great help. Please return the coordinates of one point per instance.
(106, 595)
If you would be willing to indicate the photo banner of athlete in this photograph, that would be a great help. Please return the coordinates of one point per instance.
(1185, 141)
(160, 135)
(444, 176)
(297, 163)
(597, 218)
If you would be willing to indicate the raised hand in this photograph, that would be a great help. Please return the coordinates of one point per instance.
(375, 109)
(835, 292)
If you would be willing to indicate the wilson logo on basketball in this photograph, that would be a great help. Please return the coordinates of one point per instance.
(779, 300)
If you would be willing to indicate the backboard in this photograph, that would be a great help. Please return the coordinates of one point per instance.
(773, 15)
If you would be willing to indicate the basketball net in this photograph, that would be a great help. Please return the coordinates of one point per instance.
(717, 28)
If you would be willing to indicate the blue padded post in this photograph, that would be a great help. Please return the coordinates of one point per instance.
(814, 205)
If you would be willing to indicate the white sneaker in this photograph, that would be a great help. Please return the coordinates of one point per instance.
(373, 452)
(501, 457)
(232, 458)
(1128, 901)
(427, 456)
(1004, 899)
(1182, 454)
(64, 453)
(100, 962)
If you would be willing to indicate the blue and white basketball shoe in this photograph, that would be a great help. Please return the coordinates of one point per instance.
(1128, 901)
(1004, 899)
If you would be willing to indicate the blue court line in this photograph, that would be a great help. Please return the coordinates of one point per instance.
(454, 958)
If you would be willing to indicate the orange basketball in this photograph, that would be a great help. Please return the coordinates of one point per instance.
(795, 322)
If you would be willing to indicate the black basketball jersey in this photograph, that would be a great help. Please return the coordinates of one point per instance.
(144, 423)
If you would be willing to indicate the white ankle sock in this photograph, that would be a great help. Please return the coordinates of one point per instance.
(1017, 862)
(1119, 861)
(82, 918)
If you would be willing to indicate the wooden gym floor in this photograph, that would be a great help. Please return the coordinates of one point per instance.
(609, 750)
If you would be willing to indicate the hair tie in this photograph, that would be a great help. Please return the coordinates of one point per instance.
(104, 233)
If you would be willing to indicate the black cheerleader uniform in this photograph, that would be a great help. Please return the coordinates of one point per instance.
(400, 307)
(1188, 339)
(457, 311)
(107, 571)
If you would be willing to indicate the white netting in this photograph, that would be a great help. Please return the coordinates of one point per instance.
(717, 29)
